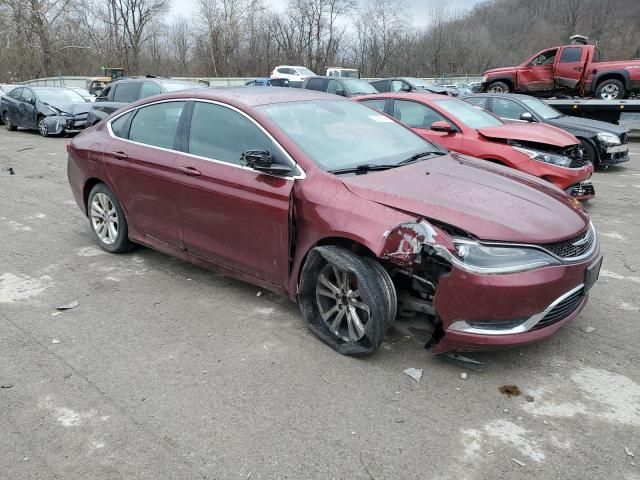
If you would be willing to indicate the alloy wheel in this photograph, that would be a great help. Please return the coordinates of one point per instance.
(104, 218)
(340, 305)
(7, 121)
(42, 127)
(609, 92)
(496, 89)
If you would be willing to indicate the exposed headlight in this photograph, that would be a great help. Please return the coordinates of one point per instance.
(484, 78)
(608, 138)
(490, 259)
(546, 157)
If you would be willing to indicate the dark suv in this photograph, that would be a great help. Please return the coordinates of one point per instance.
(122, 92)
(345, 87)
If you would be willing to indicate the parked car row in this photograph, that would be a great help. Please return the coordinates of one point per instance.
(359, 215)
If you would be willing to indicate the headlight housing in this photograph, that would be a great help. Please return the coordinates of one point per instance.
(552, 158)
(484, 78)
(493, 259)
(608, 139)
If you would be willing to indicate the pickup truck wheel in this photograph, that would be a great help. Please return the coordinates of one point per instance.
(610, 89)
(7, 122)
(499, 87)
(346, 301)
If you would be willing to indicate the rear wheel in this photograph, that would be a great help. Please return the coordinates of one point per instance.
(499, 87)
(106, 218)
(7, 122)
(347, 301)
(610, 89)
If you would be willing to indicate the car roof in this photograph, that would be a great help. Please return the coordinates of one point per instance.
(515, 96)
(251, 97)
(408, 96)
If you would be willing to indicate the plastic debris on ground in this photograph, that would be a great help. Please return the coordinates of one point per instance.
(522, 464)
(68, 306)
(628, 452)
(415, 373)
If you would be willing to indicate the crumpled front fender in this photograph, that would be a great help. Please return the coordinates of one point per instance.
(404, 244)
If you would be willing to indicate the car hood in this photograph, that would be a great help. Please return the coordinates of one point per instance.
(586, 125)
(530, 132)
(489, 201)
(72, 108)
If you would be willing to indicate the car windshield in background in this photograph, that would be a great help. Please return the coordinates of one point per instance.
(175, 86)
(419, 83)
(540, 108)
(304, 71)
(359, 86)
(471, 116)
(7, 88)
(340, 134)
(61, 96)
(349, 74)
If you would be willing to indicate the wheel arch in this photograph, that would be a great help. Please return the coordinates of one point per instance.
(621, 75)
(86, 189)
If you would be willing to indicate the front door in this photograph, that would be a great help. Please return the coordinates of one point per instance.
(569, 68)
(537, 75)
(27, 109)
(420, 117)
(231, 214)
(141, 163)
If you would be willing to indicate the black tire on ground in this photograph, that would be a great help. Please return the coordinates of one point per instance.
(103, 205)
(43, 130)
(390, 287)
(321, 292)
(6, 118)
(589, 152)
(499, 87)
(611, 89)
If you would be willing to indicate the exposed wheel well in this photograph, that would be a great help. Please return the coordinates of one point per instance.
(611, 76)
(92, 182)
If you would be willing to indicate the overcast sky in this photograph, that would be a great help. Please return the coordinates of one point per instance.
(418, 9)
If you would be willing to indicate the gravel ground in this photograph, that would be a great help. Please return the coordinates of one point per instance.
(169, 371)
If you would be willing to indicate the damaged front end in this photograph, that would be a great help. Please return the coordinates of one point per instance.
(60, 122)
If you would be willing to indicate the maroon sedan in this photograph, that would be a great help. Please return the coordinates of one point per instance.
(342, 209)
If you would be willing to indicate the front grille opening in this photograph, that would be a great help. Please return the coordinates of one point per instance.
(562, 310)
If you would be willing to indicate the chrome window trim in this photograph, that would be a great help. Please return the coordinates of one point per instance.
(464, 327)
(302, 175)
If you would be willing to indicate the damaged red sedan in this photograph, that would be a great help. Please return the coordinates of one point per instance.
(342, 209)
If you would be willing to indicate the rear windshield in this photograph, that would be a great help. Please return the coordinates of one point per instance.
(344, 134)
(471, 116)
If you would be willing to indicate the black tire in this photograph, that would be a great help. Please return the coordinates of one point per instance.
(43, 130)
(611, 89)
(375, 291)
(6, 118)
(499, 87)
(589, 152)
(118, 243)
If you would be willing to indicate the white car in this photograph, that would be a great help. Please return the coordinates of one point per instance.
(291, 73)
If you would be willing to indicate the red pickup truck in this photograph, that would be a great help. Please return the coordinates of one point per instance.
(567, 69)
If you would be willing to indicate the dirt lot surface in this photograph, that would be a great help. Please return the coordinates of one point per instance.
(169, 371)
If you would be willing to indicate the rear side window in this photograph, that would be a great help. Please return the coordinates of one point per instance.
(120, 126)
(571, 54)
(507, 108)
(399, 85)
(219, 133)
(381, 85)
(148, 89)
(126, 92)
(156, 124)
(377, 104)
(477, 101)
(316, 84)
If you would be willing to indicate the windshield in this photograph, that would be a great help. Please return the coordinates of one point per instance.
(540, 108)
(471, 116)
(175, 86)
(304, 71)
(58, 96)
(359, 86)
(340, 134)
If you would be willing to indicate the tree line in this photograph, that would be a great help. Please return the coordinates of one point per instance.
(41, 38)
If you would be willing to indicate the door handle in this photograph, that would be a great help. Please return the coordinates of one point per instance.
(191, 171)
(577, 68)
(120, 155)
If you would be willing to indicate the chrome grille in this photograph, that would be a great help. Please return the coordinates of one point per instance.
(568, 249)
(561, 311)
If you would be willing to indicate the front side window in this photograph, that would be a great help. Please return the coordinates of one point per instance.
(571, 54)
(220, 133)
(148, 89)
(399, 86)
(303, 71)
(415, 114)
(540, 108)
(545, 58)
(505, 108)
(338, 134)
(126, 92)
(316, 84)
(334, 86)
(156, 124)
(27, 95)
(468, 114)
(477, 101)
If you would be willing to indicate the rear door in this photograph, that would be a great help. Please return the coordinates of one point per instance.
(231, 214)
(13, 102)
(537, 75)
(141, 162)
(420, 117)
(569, 67)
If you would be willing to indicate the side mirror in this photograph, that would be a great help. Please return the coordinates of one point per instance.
(262, 161)
(405, 88)
(341, 92)
(442, 126)
(526, 117)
